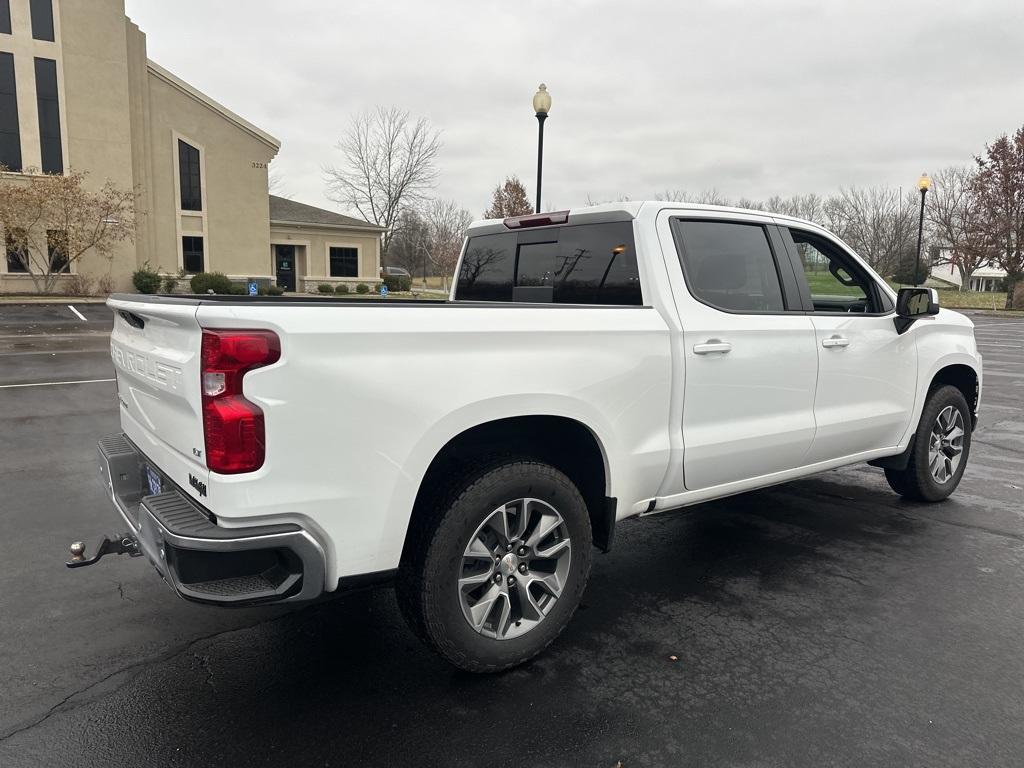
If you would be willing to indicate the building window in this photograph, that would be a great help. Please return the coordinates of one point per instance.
(42, 19)
(189, 177)
(192, 254)
(10, 135)
(5, 17)
(344, 262)
(16, 245)
(49, 116)
(57, 250)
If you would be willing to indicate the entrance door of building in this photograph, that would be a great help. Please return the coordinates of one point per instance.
(285, 266)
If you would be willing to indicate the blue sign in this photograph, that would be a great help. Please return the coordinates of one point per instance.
(254, 289)
(383, 290)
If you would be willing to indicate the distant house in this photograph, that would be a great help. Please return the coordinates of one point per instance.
(985, 279)
(310, 246)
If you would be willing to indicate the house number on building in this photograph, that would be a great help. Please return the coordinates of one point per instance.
(257, 164)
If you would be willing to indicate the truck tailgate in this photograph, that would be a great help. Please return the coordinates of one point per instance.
(156, 353)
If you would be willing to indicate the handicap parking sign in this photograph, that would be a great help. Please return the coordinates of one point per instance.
(383, 290)
(253, 288)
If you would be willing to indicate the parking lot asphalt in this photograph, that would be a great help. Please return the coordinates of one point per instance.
(821, 622)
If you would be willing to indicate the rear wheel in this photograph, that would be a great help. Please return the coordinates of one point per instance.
(499, 572)
(941, 448)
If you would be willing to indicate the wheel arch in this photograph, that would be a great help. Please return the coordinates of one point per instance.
(963, 377)
(564, 442)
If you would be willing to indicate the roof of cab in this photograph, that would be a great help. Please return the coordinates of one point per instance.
(625, 211)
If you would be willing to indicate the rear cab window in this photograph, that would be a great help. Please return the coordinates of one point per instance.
(570, 264)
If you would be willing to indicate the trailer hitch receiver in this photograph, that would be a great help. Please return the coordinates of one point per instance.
(124, 544)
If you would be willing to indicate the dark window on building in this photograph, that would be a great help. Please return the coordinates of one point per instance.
(10, 135)
(57, 250)
(583, 264)
(192, 256)
(729, 266)
(344, 262)
(42, 19)
(5, 17)
(49, 116)
(16, 246)
(189, 177)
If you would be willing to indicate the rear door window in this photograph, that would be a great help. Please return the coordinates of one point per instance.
(582, 264)
(729, 265)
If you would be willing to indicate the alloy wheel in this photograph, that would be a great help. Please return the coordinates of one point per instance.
(946, 444)
(514, 568)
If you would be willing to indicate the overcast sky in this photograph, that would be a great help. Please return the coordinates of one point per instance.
(750, 98)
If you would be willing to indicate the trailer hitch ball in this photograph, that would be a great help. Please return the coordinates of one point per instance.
(77, 551)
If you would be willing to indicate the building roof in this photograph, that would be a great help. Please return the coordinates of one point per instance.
(285, 211)
(176, 82)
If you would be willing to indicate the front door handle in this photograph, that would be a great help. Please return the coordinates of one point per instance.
(835, 341)
(711, 346)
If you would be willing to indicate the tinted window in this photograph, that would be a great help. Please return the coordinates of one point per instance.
(192, 256)
(5, 16)
(597, 265)
(582, 264)
(188, 177)
(10, 136)
(730, 266)
(42, 19)
(16, 246)
(344, 262)
(487, 268)
(835, 285)
(49, 116)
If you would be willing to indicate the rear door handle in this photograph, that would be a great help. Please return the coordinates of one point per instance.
(835, 341)
(711, 346)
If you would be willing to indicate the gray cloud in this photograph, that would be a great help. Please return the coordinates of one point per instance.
(753, 99)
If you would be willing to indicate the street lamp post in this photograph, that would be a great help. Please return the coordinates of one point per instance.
(541, 105)
(924, 184)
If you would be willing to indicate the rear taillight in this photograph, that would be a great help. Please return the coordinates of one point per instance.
(232, 426)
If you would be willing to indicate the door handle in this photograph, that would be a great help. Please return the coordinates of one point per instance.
(711, 346)
(835, 341)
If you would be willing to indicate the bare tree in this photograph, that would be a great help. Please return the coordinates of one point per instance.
(1000, 185)
(275, 185)
(389, 165)
(446, 229)
(406, 249)
(956, 218)
(878, 222)
(707, 197)
(52, 221)
(509, 199)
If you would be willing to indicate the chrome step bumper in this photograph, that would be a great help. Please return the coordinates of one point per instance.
(199, 559)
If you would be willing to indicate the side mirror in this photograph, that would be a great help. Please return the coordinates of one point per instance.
(912, 303)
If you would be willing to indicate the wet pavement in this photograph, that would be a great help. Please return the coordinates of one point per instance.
(821, 622)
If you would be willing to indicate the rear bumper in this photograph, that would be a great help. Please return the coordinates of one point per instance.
(199, 559)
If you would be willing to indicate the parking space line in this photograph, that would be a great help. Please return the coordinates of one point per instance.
(56, 383)
(79, 314)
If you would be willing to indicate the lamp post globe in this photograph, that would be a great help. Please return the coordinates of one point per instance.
(541, 107)
(924, 183)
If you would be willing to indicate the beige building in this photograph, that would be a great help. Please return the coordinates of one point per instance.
(77, 91)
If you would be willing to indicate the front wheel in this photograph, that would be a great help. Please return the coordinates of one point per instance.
(941, 447)
(497, 575)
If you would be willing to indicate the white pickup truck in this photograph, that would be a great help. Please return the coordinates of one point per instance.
(589, 366)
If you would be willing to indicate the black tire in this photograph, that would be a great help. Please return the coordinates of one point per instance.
(916, 482)
(427, 586)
